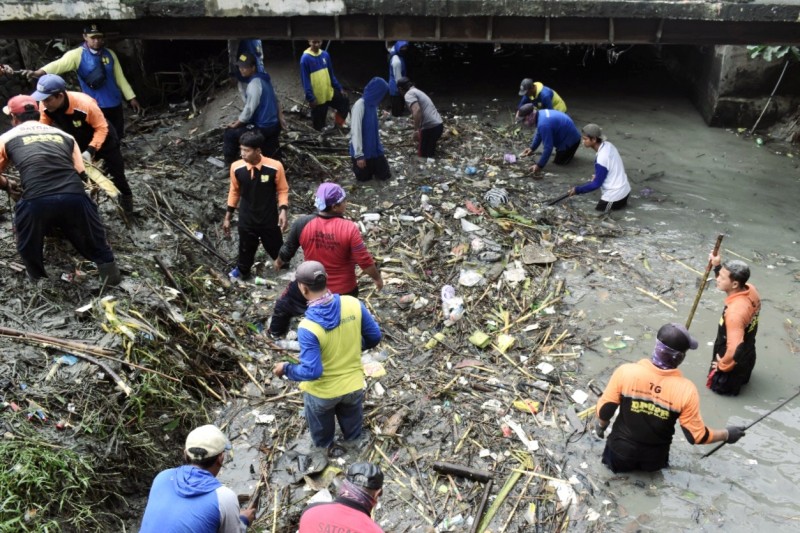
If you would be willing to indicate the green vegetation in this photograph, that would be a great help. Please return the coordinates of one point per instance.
(40, 482)
(768, 53)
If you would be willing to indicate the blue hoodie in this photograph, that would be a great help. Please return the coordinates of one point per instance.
(327, 316)
(187, 499)
(365, 141)
(392, 53)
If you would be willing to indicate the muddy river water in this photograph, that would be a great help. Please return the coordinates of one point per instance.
(690, 183)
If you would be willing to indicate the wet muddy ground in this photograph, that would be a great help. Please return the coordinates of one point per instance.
(689, 182)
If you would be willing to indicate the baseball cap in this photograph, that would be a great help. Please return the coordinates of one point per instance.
(328, 195)
(18, 105)
(676, 337)
(47, 85)
(592, 130)
(310, 273)
(365, 475)
(206, 442)
(525, 86)
(92, 29)
(245, 59)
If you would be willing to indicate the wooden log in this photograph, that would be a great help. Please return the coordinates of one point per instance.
(463, 471)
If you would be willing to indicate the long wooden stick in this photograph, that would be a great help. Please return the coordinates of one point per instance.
(487, 490)
(703, 283)
(55, 341)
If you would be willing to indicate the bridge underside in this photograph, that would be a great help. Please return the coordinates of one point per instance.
(502, 29)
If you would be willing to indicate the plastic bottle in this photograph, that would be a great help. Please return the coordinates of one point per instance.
(293, 346)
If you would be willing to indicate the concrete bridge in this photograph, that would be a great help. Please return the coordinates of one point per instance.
(518, 21)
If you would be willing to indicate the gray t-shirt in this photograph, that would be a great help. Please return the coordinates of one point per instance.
(430, 116)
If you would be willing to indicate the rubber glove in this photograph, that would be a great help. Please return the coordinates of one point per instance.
(734, 433)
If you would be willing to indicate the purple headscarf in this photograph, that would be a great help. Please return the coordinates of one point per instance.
(328, 195)
(666, 358)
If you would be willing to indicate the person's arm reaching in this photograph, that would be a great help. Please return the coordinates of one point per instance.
(370, 331)
(600, 175)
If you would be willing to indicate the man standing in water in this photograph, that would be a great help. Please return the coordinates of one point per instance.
(609, 172)
(651, 395)
(735, 347)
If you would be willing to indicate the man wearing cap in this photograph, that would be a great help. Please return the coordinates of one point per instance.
(78, 115)
(554, 129)
(734, 354)
(651, 396)
(50, 168)
(540, 95)
(237, 47)
(352, 508)
(332, 240)
(99, 74)
(609, 172)
(366, 149)
(428, 126)
(260, 190)
(322, 89)
(261, 113)
(332, 335)
(190, 498)
(397, 70)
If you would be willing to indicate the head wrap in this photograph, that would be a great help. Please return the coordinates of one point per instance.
(350, 491)
(666, 358)
(328, 195)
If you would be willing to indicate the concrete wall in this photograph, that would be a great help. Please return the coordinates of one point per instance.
(731, 90)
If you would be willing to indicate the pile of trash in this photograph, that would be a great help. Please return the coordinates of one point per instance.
(473, 397)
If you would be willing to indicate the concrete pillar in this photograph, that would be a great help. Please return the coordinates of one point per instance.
(730, 89)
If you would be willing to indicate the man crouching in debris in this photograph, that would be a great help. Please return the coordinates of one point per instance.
(651, 395)
(261, 113)
(80, 116)
(332, 335)
(50, 168)
(190, 498)
(352, 508)
(260, 190)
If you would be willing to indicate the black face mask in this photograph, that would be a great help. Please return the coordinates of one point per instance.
(401, 53)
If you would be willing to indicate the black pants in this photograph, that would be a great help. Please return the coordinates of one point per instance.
(398, 105)
(74, 214)
(618, 463)
(731, 383)
(115, 117)
(115, 166)
(565, 156)
(428, 139)
(377, 167)
(271, 147)
(291, 303)
(249, 239)
(604, 206)
(319, 114)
